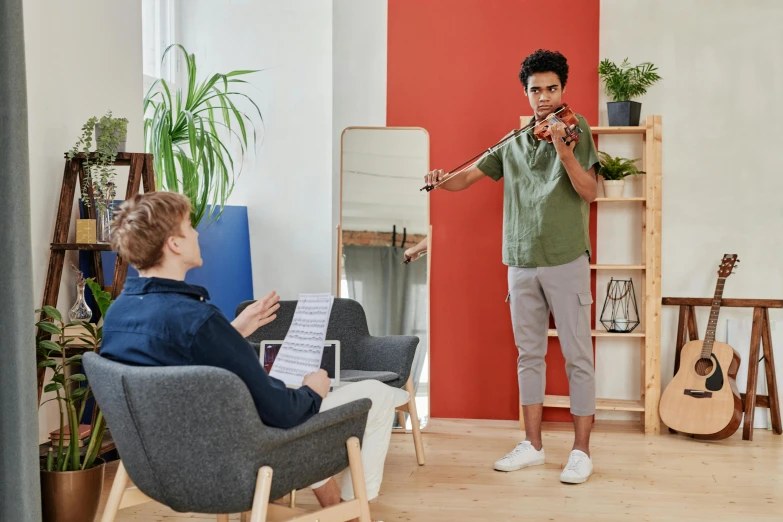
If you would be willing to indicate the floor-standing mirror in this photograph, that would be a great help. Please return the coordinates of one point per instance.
(383, 214)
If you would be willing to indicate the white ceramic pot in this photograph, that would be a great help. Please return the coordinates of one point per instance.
(614, 188)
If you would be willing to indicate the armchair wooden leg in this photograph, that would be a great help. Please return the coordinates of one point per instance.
(222, 518)
(417, 442)
(401, 418)
(122, 496)
(357, 477)
(261, 497)
(244, 517)
(115, 497)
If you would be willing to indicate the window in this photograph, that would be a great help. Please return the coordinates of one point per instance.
(159, 29)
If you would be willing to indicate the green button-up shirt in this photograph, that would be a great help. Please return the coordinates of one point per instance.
(545, 221)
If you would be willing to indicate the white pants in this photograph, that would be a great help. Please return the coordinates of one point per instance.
(377, 432)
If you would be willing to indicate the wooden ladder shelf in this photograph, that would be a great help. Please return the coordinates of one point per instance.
(141, 172)
(648, 204)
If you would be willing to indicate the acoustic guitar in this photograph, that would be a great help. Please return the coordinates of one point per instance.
(702, 400)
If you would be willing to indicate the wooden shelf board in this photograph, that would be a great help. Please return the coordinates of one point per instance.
(635, 198)
(636, 129)
(617, 267)
(618, 130)
(123, 159)
(602, 333)
(81, 246)
(563, 401)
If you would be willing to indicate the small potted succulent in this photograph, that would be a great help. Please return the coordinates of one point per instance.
(614, 170)
(624, 82)
(110, 136)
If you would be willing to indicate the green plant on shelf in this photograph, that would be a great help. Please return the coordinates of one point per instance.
(617, 168)
(624, 82)
(72, 391)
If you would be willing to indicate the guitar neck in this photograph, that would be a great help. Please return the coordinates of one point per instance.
(712, 324)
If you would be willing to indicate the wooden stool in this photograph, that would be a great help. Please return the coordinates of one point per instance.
(687, 330)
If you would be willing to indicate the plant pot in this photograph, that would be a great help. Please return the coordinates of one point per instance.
(71, 496)
(613, 188)
(120, 148)
(624, 113)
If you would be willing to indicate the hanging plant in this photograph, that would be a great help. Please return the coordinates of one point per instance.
(110, 135)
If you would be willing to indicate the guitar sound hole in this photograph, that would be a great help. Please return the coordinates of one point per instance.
(704, 366)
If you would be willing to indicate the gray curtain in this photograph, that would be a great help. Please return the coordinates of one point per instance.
(393, 295)
(19, 477)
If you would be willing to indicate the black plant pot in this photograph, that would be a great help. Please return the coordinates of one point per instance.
(624, 113)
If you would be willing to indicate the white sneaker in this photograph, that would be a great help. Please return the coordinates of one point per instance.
(578, 469)
(522, 456)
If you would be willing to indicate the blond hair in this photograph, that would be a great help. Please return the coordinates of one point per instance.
(142, 224)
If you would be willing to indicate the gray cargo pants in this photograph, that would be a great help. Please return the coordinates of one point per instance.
(565, 290)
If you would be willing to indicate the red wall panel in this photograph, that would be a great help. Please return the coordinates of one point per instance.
(452, 69)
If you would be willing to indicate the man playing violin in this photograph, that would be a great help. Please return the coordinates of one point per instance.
(547, 190)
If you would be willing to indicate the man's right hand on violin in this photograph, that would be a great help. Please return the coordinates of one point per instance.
(454, 182)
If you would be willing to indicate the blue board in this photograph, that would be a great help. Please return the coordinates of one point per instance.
(227, 270)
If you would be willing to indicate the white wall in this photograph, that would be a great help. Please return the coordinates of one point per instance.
(83, 58)
(359, 98)
(287, 188)
(722, 184)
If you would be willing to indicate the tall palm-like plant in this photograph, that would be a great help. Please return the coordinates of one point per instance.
(190, 133)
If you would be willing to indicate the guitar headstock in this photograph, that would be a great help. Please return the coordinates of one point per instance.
(727, 265)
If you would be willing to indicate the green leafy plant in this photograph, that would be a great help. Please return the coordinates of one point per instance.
(98, 166)
(616, 168)
(71, 400)
(190, 135)
(624, 82)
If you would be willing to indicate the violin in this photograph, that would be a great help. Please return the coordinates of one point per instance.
(541, 131)
(563, 114)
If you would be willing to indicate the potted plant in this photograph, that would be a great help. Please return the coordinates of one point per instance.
(623, 83)
(71, 483)
(110, 137)
(190, 136)
(614, 171)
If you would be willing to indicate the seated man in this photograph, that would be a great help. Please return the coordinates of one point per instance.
(159, 320)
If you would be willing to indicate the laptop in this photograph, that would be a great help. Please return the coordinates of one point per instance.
(330, 360)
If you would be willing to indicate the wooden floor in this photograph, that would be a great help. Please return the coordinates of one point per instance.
(636, 478)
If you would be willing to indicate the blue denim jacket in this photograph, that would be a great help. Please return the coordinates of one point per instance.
(163, 322)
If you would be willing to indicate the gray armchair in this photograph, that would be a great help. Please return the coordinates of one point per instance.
(362, 356)
(190, 438)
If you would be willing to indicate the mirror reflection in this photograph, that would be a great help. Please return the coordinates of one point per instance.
(384, 238)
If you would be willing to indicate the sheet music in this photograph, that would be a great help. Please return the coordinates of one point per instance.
(303, 346)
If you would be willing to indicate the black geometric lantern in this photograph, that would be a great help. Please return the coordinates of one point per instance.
(620, 314)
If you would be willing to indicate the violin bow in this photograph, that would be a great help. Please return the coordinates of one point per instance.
(502, 143)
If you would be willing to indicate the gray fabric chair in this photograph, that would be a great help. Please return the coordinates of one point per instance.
(362, 356)
(190, 437)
